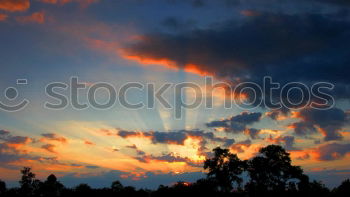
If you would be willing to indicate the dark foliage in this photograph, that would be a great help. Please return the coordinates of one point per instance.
(270, 174)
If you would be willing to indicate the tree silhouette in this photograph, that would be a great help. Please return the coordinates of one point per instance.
(29, 185)
(225, 168)
(52, 187)
(343, 189)
(2, 187)
(117, 187)
(83, 190)
(272, 170)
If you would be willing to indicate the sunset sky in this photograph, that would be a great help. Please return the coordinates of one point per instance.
(169, 41)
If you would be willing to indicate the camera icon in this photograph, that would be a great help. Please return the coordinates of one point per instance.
(11, 94)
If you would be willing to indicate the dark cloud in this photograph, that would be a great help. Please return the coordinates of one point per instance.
(170, 137)
(329, 122)
(8, 154)
(4, 132)
(138, 151)
(228, 143)
(304, 128)
(276, 45)
(10, 151)
(175, 137)
(49, 147)
(18, 140)
(125, 134)
(92, 167)
(286, 141)
(273, 114)
(278, 114)
(169, 157)
(239, 146)
(332, 151)
(236, 123)
(54, 137)
(132, 146)
(10, 139)
(253, 133)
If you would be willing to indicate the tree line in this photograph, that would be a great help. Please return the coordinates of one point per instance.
(269, 173)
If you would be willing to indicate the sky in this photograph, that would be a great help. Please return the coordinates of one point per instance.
(158, 42)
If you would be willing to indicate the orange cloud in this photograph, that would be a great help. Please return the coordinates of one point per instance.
(3, 17)
(167, 63)
(14, 5)
(134, 175)
(89, 143)
(36, 17)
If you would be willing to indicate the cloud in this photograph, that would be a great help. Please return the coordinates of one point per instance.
(177, 137)
(92, 167)
(49, 147)
(328, 122)
(277, 115)
(36, 17)
(287, 141)
(126, 134)
(138, 151)
(239, 147)
(4, 133)
(132, 146)
(253, 133)
(170, 137)
(53, 137)
(18, 140)
(174, 137)
(9, 155)
(13, 151)
(256, 47)
(87, 142)
(14, 5)
(236, 123)
(302, 157)
(13, 140)
(169, 158)
(333, 151)
(3, 17)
